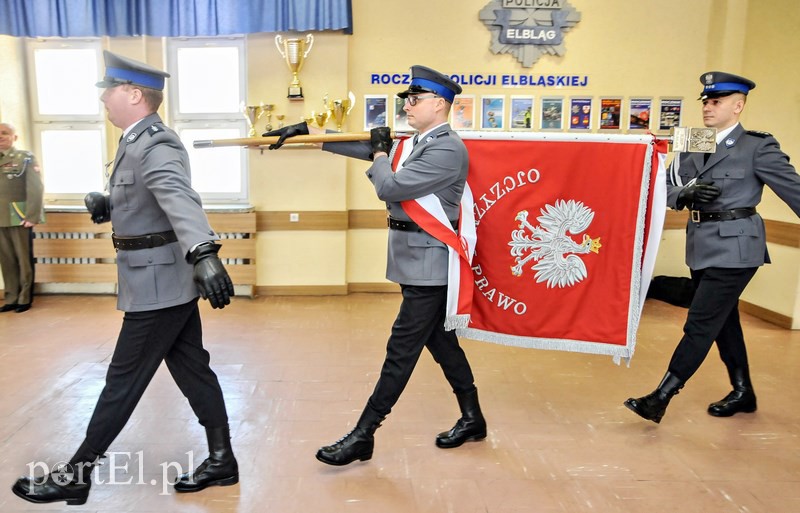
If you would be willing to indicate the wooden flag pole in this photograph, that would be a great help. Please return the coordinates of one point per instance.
(298, 139)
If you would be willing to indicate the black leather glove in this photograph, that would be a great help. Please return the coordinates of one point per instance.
(286, 132)
(699, 192)
(380, 139)
(97, 205)
(210, 275)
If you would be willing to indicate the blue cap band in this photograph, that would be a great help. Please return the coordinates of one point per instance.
(436, 87)
(136, 77)
(727, 86)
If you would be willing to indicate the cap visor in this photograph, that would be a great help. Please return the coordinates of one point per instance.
(106, 83)
(414, 89)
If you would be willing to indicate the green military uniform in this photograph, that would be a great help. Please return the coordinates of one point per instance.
(21, 192)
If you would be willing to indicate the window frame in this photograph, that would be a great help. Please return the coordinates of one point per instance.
(43, 122)
(182, 121)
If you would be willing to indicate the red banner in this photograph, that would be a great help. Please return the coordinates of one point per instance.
(561, 231)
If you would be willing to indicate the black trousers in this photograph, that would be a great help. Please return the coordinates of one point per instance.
(420, 323)
(713, 315)
(173, 335)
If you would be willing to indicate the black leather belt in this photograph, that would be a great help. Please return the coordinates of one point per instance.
(152, 240)
(409, 226)
(699, 216)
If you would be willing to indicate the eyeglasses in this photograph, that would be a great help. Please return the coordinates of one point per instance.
(412, 100)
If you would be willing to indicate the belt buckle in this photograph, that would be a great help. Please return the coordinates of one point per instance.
(695, 214)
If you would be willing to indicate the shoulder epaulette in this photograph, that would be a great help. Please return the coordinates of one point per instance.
(155, 128)
(759, 133)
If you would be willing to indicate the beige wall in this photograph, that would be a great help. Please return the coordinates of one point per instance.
(626, 48)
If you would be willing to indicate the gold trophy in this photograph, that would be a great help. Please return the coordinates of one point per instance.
(268, 108)
(341, 108)
(252, 113)
(320, 118)
(294, 50)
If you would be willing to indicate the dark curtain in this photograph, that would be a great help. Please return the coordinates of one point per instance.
(170, 18)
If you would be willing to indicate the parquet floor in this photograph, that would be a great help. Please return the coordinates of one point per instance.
(297, 371)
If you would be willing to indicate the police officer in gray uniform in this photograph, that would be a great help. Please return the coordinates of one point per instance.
(725, 241)
(166, 258)
(417, 261)
(21, 196)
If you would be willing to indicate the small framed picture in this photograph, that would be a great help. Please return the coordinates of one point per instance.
(551, 113)
(375, 110)
(462, 115)
(520, 113)
(669, 113)
(610, 113)
(640, 111)
(401, 116)
(580, 114)
(492, 110)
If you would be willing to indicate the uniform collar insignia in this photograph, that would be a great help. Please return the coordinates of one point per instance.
(131, 137)
(730, 141)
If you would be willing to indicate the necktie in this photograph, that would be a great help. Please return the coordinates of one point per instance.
(415, 140)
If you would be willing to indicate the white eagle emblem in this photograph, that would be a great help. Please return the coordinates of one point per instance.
(555, 252)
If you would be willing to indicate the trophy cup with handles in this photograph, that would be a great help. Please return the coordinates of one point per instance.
(341, 108)
(294, 51)
(252, 113)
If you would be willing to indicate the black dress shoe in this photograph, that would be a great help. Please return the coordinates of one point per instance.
(465, 430)
(219, 469)
(8, 308)
(470, 427)
(209, 473)
(654, 405)
(358, 444)
(738, 401)
(22, 308)
(741, 400)
(52, 488)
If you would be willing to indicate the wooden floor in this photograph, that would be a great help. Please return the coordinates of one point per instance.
(297, 371)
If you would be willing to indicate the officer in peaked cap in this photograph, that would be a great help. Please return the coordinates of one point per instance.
(166, 259)
(122, 70)
(726, 241)
(435, 166)
(717, 84)
(427, 80)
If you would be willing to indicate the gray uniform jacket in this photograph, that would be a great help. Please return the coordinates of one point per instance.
(437, 165)
(151, 192)
(742, 164)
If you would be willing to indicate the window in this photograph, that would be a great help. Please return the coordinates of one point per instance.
(68, 120)
(205, 91)
(206, 88)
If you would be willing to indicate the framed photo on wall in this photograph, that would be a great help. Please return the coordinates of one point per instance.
(669, 113)
(520, 113)
(492, 110)
(401, 116)
(462, 115)
(610, 113)
(640, 110)
(551, 113)
(375, 111)
(580, 113)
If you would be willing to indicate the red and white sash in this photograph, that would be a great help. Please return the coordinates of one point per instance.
(429, 214)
